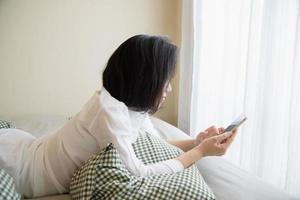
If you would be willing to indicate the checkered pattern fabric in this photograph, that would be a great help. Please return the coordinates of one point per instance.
(7, 187)
(104, 176)
(6, 124)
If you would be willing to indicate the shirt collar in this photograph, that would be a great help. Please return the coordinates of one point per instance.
(137, 119)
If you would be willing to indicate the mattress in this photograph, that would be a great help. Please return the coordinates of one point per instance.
(227, 181)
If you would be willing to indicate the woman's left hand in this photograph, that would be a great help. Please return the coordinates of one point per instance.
(209, 132)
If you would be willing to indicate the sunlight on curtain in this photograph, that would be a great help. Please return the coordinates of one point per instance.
(248, 60)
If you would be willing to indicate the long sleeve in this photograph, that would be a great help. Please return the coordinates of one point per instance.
(115, 122)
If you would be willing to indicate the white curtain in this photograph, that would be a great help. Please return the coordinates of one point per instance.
(243, 56)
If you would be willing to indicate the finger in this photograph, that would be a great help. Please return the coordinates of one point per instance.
(223, 136)
(213, 130)
(235, 130)
(203, 134)
(224, 145)
(221, 130)
(229, 140)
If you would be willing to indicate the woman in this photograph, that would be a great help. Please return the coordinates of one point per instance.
(136, 82)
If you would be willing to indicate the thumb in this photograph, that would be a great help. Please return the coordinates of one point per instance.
(223, 136)
(221, 130)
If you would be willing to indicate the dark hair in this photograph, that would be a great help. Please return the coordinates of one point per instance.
(138, 70)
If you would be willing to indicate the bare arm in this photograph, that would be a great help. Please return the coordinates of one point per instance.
(213, 146)
(190, 157)
(188, 144)
(185, 145)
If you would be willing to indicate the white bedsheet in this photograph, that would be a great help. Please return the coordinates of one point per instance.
(227, 181)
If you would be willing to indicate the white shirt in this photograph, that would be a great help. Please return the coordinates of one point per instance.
(50, 161)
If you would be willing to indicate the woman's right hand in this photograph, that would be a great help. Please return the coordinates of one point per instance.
(216, 145)
(212, 146)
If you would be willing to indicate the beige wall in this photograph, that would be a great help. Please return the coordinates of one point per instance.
(52, 52)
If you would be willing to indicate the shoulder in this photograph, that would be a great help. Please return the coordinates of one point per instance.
(110, 112)
(103, 102)
(102, 106)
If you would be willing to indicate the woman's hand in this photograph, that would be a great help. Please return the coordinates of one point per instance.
(216, 145)
(211, 146)
(209, 132)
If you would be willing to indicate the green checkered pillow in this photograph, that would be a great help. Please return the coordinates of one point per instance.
(6, 124)
(104, 176)
(7, 187)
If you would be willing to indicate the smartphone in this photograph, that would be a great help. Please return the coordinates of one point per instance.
(236, 123)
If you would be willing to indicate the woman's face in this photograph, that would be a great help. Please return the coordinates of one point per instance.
(167, 89)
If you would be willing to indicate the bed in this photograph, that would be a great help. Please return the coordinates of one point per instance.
(227, 181)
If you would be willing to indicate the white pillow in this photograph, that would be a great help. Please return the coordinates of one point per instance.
(168, 131)
(38, 125)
